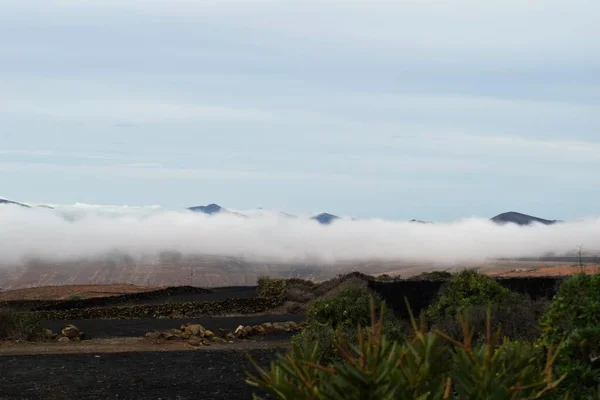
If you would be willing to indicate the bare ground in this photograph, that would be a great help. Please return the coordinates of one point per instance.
(65, 291)
(137, 375)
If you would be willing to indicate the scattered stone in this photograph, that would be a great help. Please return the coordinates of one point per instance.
(230, 337)
(219, 340)
(194, 342)
(209, 334)
(64, 339)
(194, 330)
(71, 332)
(240, 331)
(153, 335)
(268, 327)
(49, 335)
(259, 330)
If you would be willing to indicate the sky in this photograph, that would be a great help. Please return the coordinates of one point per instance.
(432, 110)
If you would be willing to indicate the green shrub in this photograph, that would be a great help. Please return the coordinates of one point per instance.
(573, 319)
(20, 326)
(272, 288)
(350, 307)
(432, 276)
(465, 290)
(431, 366)
(517, 317)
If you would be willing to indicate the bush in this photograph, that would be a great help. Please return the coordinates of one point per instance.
(573, 319)
(431, 366)
(272, 288)
(432, 276)
(328, 317)
(518, 319)
(465, 290)
(350, 307)
(20, 326)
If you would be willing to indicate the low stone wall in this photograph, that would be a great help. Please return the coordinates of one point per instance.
(420, 294)
(169, 310)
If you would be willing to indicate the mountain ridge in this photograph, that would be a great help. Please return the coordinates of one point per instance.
(325, 218)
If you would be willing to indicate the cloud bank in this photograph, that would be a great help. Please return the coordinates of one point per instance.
(68, 233)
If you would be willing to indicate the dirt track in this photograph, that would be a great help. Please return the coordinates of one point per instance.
(203, 374)
(94, 328)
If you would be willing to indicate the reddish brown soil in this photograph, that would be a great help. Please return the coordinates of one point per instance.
(65, 291)
(131, 344)
(564, 270)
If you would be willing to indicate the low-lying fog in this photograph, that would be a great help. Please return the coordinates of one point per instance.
(88, 231)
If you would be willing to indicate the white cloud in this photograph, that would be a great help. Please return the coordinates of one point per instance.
(147, 231)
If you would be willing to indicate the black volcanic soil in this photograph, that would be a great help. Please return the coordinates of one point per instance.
(203, 374)
(99, 329)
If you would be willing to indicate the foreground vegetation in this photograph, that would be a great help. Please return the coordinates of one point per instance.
(478, 340)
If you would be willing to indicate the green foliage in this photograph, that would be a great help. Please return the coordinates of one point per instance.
(430, 366)
(432, 276)
(19, 326)
(350, 307)
(573, 319)
(272, 288)
(517, 317)
(467, 289)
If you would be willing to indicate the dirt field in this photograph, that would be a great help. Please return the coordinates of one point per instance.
(63, 292)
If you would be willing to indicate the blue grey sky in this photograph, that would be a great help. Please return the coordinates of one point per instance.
(393, 109)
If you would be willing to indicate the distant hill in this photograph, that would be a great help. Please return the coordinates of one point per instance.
(520, 219)
(4, 201)
(209, 209)
(418, 221)
(325, 218)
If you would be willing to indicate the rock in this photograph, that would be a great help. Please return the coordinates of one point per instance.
(194, 330)
(49, 335)
(222, 333)
(268, 327)
(71, 332)
(194, 342)
(169, 336)
(64, 339)
(153, 335)
(175, 331)
(219, 340)
(259, 330)
(205, 342)
(240, 331)
(293, 326)
(230, 337)
(209, 334)
(280, 326)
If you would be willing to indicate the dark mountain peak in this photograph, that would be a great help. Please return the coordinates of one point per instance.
(325, 218)
(4, 201)
(418, 221)
(209, 209)
(520, 219)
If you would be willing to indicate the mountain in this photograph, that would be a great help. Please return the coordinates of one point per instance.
(418, 221)
(325, 218)
(520, 219)
(4, 201)
(210, 209)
